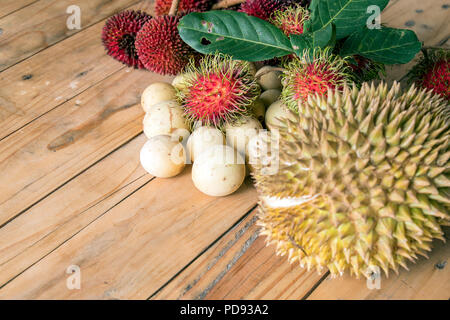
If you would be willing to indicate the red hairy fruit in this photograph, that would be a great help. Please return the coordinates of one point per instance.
(160, 47)
(313, 75)
(218, 91)
(119, 33)
(365, 69)
(264, 9)
(433, 72)
(162, 7)
(291, 20)
(438, 78)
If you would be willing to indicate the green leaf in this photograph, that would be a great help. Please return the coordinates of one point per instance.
(234, 33)
(385, 45)
(310, 41)
(347, 15)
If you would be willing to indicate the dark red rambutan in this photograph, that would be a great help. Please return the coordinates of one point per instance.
(162, 7)
(264, 9)
(365, 69)
(307, 76)
(219, 90)
(119, 34)
(433, 72)
(160, 48)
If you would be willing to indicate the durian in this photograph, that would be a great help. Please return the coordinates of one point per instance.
(363, 179)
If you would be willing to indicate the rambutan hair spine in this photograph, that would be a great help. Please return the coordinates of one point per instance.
(217, 90)
(290, 20)
(313, 74)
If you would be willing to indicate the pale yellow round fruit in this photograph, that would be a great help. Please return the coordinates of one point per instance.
(218, 171)
(270, 96)
(163, 157)
(203, 138)
(277, 111)
(156, 93)
(268, 78)
(239, 134)
(165, 118)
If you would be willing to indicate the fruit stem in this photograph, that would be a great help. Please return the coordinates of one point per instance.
(222, 4)
(174, 8)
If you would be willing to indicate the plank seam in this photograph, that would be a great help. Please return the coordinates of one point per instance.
(314, 287)
(66, 182)
(72, 236)
(61, 40)
(14, 11)
(204, 250)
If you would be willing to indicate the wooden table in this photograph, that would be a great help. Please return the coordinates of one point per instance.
(73, 193)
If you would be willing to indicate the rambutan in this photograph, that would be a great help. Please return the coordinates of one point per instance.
(311, 75)
(264, 9)
(162, 7)
(119, 33)
(433, 72)
(291, 20)
(366, 69)
(160, 47)
(218, 91)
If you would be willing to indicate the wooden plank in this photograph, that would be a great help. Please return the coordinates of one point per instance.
(136, 247)
(427, 279)
(240, 266)
(40, 83)
(59, 145)
(69, 209)
(43, 23)
(9, 6)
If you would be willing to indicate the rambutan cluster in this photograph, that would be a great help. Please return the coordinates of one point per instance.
(217, 91)
(119, 33)
(314, 74)
(140, 41)
(162, 7)
(433, 72)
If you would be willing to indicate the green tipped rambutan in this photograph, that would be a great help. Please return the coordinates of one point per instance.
(291, 20)
(119, 33)
(432, 72)
(160, 47)
(217, 91)
(314, 74)
(162, 7)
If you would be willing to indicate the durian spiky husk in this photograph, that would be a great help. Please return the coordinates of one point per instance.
(363, 180)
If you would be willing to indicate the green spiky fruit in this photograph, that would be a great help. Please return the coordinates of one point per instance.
(314, 74)
(218, 91)
(363, 179)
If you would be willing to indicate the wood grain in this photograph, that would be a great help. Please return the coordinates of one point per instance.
(240, 266)
(69, 209)
(9, 6)
(41, 83)
(43, 23)
(56, 147)
(136, 247)
(427, 279)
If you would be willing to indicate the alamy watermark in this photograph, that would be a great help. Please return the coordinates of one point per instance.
(73, 282)
(73, 22)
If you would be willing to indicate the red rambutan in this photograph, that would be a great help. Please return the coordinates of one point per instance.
(119, 34)
(308, 75)
(433, 72)
(365, 69)
(160, 47)
(218, 91)
(162, 7)
(291, 20)
(264, 9)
